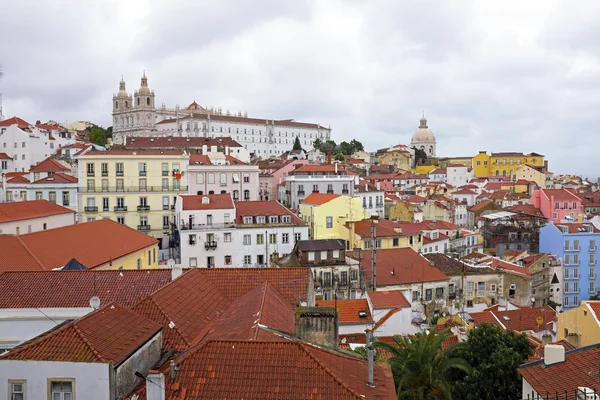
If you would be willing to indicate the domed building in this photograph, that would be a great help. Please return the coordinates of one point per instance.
(424, 139)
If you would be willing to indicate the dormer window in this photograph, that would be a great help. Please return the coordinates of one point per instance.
(247, 220)
(273, 219)
(260, 220)
(286, 219)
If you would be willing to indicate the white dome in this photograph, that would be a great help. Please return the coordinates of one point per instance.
(423, 134)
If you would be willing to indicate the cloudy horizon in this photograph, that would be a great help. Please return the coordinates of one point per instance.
(508, 76)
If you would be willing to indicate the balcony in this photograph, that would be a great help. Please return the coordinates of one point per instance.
(165, 173)
(330, 191)
(210, 245)
(90, 209)
(104, 173)
(207, 227)
(143, 208)
(345, 191)
(133, 189)
(91, 174)
(119, 173)
(143, 228)
(166, 207)
(166, 226)
(142, 173)
(301, 192)
(120, 208)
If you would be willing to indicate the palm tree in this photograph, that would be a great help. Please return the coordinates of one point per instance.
(421, 366)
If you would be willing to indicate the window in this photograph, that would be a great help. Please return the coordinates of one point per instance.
(273, 219)
(592, 286)
(142, 168)
(210, 262)
(592, 245)
(575, 300)
(260, 220)
(52, 197)
(200, 178)
(235, 178)
(227, 260)
(90, 185)
(353, 275)
(247, 220)
(260, 239)
(105, 206)
(439, 293)
(211, 178)
(90, 169)
(330, 188)
(565, 302)
(311, 256)
(285, 238)
(192, 239)
(470, 286)
(105, 185)
(575, 259)
(165, 184)
(576, 245)
(493, 288)
(247, 195)
(247, 260)
(247, 241)
(120, 185)
(223, 179)
(554, 215)
(166, 222)
(315, 188)
(576, 287)
(38, 196)
(286, 219)
(566, 288)
(236, 195)
(592, 259)
(566, 273)
(415, 295)
(142, 185)
(428, 294)
(17, 389)
(61, 390)
(272, 238)
(336, 254)
(119, 169)
(326, 278)
(297, 237)
(395, 242)
(227, 237)
(567, 259)
(193, 262)
(480, 286)
(246, 178)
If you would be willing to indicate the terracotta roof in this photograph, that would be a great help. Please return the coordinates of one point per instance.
(464, 191)
(560, 194)
(480, 206)
(348, 310)
(575, 227)
(416, 199)
(53, 248)
(62, 289)
(523, 319)
(200, 159)
(18, 179)
(261, 370)
(49, 165)
(57, 178)
(317, 199)
(234, 161)
(384, 228)
(122, 333)
(246, 120)
(322, 168)
(15, 120)
(438, 224)
(215, 202)
(594, 306)
(398, 267)
(580, 369)
(263, 208)
(441, 237)
(179, 142)
(388, 299)
(4, 156)
(21, 210)
(133, 152)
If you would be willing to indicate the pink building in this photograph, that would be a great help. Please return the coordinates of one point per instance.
(557, 204)
(272, 173)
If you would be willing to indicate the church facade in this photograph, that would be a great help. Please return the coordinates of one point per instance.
(137, 115)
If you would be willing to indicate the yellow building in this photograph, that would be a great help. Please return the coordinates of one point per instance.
(446, 162)
(580, 326)
(532, 173)
(424, 169)
(503, 164)
(388, 235)
(435, 210)
(326, 214)
(399, 158)
(362, 155)
(136, 188)
(405, 211)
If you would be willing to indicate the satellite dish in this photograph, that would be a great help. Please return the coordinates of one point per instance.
(95, 302)
(344, 340)
(558, 308)
(171, 262)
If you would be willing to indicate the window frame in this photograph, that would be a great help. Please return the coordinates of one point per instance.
(56, 380)
(22, 382)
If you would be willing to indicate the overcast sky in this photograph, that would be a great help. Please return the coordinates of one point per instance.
(502, 75)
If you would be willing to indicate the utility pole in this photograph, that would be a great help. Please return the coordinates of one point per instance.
(373, 255)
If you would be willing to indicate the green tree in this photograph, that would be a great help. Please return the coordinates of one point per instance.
(495, 355)
(421, 367)
(109, 132)
(328, 146)
(356, 145)
(346, 148)
(297, 145)
(97, 136)
(339, 157)
(317, 144)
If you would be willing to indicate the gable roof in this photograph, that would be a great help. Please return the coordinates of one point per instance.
(53, 248)
(321, 245)
(57, 178)
(317, 199)
(73, 289)
(22, 210)
(560, 194)
(21, 123)
(348, 310)
(388, 299)
(522, 319)
(398, 267)
(263, 208)
(122, 333)
(49, 165)
(206, 202)
(18, 179)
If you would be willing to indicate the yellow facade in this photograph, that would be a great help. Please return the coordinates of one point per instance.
(432, 211)
(135, 189)
(424, 169)
(402, 211)
(326, 221)
(579, 326)
(400, 159)
(446, 162)
(362, 155)
(503, 164)
(414, 241)
(531, 174)
(146, 259)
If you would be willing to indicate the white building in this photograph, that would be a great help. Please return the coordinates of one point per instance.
(459, 174)
(138, 115)
(464, 195)
(215, 231)
(218, 173)
(27, 144)
(371, 199)
(33, 216)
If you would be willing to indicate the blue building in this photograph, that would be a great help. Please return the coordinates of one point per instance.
(575, 245)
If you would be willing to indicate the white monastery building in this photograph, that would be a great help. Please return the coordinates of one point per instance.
(138, 115)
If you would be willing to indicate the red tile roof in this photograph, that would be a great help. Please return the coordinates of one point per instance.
(560, 194)
(348, 310)
(318, 199)
(384, 228)
(263, 208)
(133, 152)
(594, 306)
(49, 165)
(121, 334)
(4, 156)
(464, 191)
(398, 267)
(309, 168)
(580, 369)
(179, 142)
(62, 289)
(200, 159)
(523, 319)
(57, 178)
(15, 120)
(54, 248)
(275, 370)
(388, 299)
(18, 179)
(575, 227)
(246, 120)
(21, 210)
(215, 202)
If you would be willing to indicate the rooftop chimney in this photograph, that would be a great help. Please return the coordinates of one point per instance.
(554, 354)
(336, 168)
(155, 385)
(318, 325)
(176, 272)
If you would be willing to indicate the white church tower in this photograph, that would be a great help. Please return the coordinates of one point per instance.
(424, 139)
(133, 116)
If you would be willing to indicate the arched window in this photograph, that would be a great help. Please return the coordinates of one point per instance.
(116, 104)
(246, 195)
(504, 173)
(138, 101)
(211, 178)
(497, 172)
(236, 195)
(126, 104)
(147, 101)
(431, 150)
